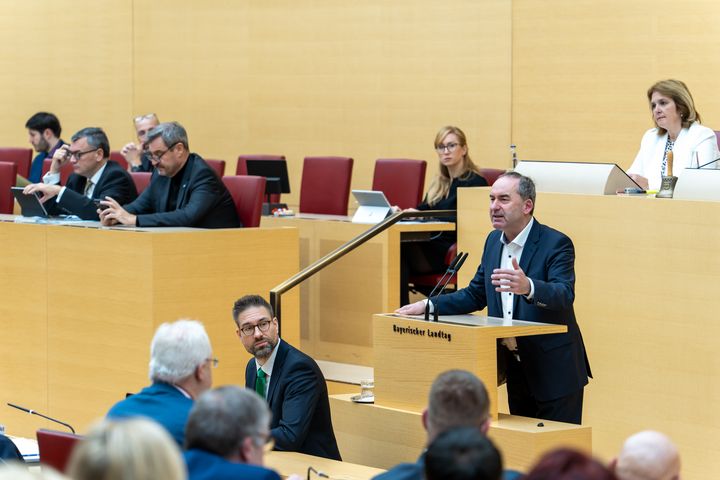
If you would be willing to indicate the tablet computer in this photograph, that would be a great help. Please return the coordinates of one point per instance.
(30, 205)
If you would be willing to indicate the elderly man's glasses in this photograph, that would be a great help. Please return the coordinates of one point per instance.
(77, 155)
(262, 325)
(450, 147)
(158, 155)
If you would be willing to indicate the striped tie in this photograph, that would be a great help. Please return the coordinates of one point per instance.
(88, 186)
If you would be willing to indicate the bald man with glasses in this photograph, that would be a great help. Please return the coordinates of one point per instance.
(184, 190)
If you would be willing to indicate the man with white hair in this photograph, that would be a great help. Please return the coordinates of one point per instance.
(226, 436)
(181, 363)
(647, 455)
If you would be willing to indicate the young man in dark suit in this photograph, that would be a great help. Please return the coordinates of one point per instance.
(289, 380)
(184, 190)
(527, 273)
(94, 177)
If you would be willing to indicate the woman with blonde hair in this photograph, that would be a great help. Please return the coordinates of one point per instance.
(677, 130)
(130, 449)
(455, 170)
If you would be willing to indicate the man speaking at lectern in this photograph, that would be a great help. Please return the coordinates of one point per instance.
(527, 272)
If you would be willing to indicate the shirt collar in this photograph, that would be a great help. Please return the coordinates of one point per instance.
(268, 367)
(521, 237)
(96, 177)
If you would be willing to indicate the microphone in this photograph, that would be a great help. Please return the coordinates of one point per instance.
(442, 279)
(459, 264)
(33, 412)
(706, 164)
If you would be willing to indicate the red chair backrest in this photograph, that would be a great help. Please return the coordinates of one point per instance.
(247, 192)
(55, 448)
(65, 171)
(141, 179)
(8, 174)
(22, 157)
(241, 168)
(218, 166)
(491, 174)
(117, 157)
(401, 180)
(325, 185)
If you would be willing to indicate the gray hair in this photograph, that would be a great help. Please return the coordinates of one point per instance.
(526, 186)
(457, 399)
(170, 132)
(224, 417)
(95, 137)
(177, 349)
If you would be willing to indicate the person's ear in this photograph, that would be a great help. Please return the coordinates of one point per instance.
(425, 419)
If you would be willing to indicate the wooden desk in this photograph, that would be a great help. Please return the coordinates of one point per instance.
(288, 463)
(647, 303)
(338, 303)
(80, 307)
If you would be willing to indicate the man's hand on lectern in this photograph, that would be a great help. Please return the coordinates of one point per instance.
(417, 308)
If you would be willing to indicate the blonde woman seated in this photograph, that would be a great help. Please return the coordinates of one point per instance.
(137, 449)
(455, 170)
(678, 130)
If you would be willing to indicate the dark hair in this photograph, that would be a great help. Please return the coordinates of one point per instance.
(249, 301)
(96, 138)
(224, 417)
(457, 399)
(568, 464)
(41, 121)
(462, 453)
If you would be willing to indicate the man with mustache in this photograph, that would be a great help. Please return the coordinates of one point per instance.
(290, 381)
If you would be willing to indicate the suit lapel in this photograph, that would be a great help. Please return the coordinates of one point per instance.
(282, 353)
(186, 177)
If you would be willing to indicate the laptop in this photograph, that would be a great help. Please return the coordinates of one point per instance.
(30, 205)
(373, 207)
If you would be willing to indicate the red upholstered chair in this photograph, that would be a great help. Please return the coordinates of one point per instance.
(22, 157)
(141, 179)
(429, 280)
(55, 448)
(241, 168)
(8, 172)
(248, 192)
(65, 171)
(325, 185)
(218, 166)
(491, 174)
(401, 180)
(117, 157)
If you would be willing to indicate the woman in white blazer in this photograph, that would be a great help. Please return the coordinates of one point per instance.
(678, 130)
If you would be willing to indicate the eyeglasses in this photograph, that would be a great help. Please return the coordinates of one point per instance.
(158, 155)
(450, 147)
(262, 325)
(214, 361)
(77, 155)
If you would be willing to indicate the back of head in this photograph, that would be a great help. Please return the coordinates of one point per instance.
(133, 449)
(648, 455)
(224, 417)
(171, 133)
(42, 121)
(18, 471)
(462, 454)
(95, 138)
(177, 349)
(457, 399)
(568, 464)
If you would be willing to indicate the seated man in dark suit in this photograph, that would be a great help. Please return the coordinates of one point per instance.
(181, 365)
(184, 191)
(457, 399)
(527, 272)
(94, 177)
(225, 436)
(289, 380)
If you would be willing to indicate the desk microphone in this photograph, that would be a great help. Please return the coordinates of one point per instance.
(33, 412)
(444, 280)
(436, 311)
(706, 164)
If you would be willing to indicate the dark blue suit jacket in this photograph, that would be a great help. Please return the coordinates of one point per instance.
(554, 365)
(202, 202)
(8, 450)
(114, 182)
(416, 471)
(298, 399)
(204, 465)
(160, 402)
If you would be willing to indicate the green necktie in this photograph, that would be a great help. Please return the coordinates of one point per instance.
(261, 382)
